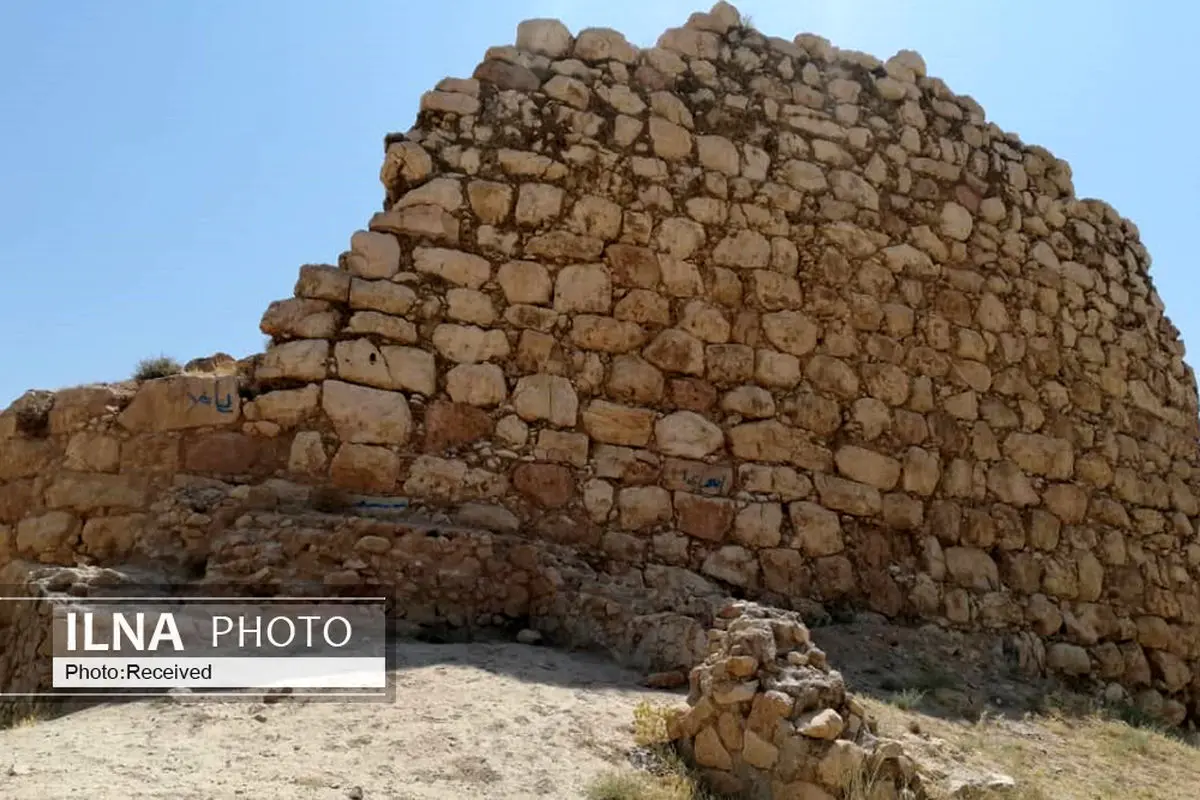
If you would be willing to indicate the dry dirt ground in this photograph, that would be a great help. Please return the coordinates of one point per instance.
(496, 720)
(481, 720)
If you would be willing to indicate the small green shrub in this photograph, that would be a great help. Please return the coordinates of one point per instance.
(908, 699)
(160, 367)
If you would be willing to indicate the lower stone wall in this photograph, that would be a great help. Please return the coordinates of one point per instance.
(211, 476)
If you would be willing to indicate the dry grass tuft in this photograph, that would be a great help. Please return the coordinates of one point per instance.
(158, 367)
(669, 779)
(1072, 750)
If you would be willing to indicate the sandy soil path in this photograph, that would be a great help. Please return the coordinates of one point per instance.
(479, 720)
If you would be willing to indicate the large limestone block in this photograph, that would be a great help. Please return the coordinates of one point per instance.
(373, 255)
(604, 44)
(453, 266)
(47, 533)
(548, 397)
(867, 466)
(299, 318)
(583, 288)
(87, 491)
(365, 468)
(183, 401)
(547, 37)
(287, 407)
(361, 415)
(469, 344)
(302, 360)
(525, 282)
(688, 435)
(477, 384)
(616, 424)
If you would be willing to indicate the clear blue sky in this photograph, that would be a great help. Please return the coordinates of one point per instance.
(166, 166)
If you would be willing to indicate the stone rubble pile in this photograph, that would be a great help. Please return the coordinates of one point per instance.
(769, 718)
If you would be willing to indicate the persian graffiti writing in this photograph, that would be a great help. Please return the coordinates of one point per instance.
(223, 405)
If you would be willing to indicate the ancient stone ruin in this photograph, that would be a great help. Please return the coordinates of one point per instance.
(769, 718)
(638, 330)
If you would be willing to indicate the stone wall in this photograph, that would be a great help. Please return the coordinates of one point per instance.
(785, 316)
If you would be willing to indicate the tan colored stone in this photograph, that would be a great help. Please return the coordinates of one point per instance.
(818, 531)
(469, 344)
(548, 397)
(709, 750)
(452, 266)
(567, 90)
(674, 350)
(598, 499)
(644, 307)
(373, 255)
(491, 201)
(547, 485)
(364, 468)
(631, 265)
(670, 141)
(743, 250)
(972, 568)
(583, 288)
(180, 401)
(776, 370)
(384, 326)
(453, 425)
(112, 537)
(1041, 455)
(300, 318)
(47, 534)
(733, 564)
(705, 322)
(867, 466)
(825, 724)
(221, 453)
(922, 471)
(92, 452)
(477, 384)
(956, 222)
(706, 518)
(688, 435)
(849, 497)
(470, 306)
(362, 415)
(749, 401)
(429, 222)
(307, 455)
(525, 282)
(89, 491)
(616, 424)
(632, 379)
(596, 216)
(759, 525)
(384, 296)
(437, 478)
(548, 37)
(538, 203)
(302, 360)
(405, 162)
(642, 507)
(791, 331)
(718, 153)
(323, 282)
(605, 334)
(287, 407)
(450, 103)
